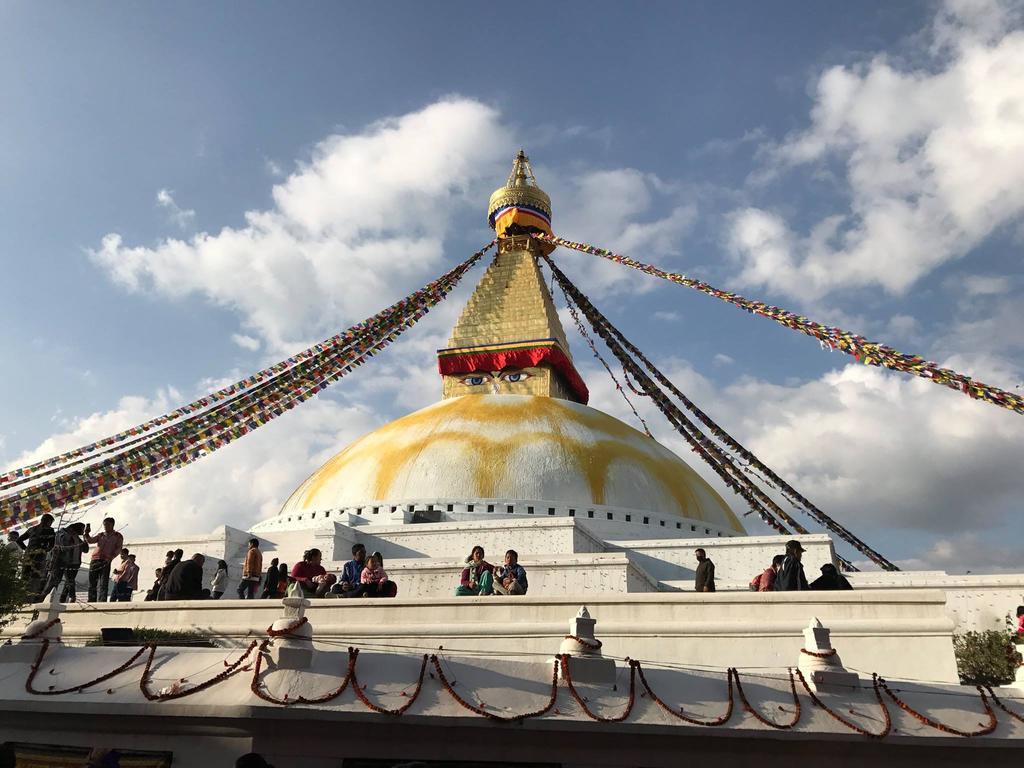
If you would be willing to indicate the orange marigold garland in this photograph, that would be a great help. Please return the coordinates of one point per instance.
(685, 718)
(887, 718)
(983, 730)
(229, 671)
(1002, 706)
(582, 702)
(820, 654)
(287, 630)
(76, 688)
(749, 708)
(37, 632)
(254, 686)
(361, 695)
(491, 715)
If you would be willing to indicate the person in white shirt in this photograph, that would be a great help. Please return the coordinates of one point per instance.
(219, 580)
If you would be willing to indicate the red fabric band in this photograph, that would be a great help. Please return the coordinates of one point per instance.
(499, 360)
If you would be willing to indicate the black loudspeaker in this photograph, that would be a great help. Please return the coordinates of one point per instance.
(117, 635)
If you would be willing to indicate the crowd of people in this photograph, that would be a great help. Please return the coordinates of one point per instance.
(51, 557)
(785, 574)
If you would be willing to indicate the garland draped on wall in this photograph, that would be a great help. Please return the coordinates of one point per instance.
(471, 701)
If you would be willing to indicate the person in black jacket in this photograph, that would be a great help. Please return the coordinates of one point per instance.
(830, 578)
(270, 581)
(186, 580)
(705, 578)
(790, 577)
(38, 541)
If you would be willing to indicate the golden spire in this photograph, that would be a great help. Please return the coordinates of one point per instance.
(508, 339)
(521, 205)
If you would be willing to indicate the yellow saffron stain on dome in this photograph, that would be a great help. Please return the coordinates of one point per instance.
(487, 432)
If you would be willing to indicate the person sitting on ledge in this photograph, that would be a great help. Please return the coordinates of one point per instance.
(830, 579)
(152, 593)
(477, 576)
(310, 578)
(510, 578)
(373, 581)
(186, 580)
(765, 582)
(351, 573)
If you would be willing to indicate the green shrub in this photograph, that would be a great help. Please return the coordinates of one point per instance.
(986, 658)
(13, 594)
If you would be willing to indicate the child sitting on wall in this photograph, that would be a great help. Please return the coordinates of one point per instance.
(373, 581)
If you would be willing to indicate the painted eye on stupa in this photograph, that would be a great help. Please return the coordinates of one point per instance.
(475, 380)
(513, 376)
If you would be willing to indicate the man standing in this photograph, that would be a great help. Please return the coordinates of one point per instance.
(39, 542)
(108, 545)
(705, 581)
(68, 547)
(790, 577)
(252, 570)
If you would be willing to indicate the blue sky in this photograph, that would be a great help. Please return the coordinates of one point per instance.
(190, 191)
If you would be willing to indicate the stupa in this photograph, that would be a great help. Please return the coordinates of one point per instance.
(513, 431)
(605, 520)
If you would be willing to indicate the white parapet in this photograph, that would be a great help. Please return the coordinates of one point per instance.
(895, 633)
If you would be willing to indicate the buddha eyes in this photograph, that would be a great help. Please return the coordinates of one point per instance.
(512, 377)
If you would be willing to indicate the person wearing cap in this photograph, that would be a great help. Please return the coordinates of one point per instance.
(790, 577)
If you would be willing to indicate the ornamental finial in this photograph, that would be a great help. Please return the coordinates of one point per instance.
(521, 206)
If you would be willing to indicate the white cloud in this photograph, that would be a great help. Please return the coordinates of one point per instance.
(245, 342)
(721, 359)
(878, 451)
(669, 316)
(626, 211)
(933, 160)
(986, 285)
(354, 228)
(273, 168)
(969, 552)
(183, 217)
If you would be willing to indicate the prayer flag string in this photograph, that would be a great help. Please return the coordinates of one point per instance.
(15, 476)
(734, 476)
(864, 350)
(129, 459)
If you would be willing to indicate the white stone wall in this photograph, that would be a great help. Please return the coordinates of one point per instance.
(975, 602)
(897, 633)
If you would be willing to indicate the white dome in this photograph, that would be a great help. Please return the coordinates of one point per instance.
(513, 447)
